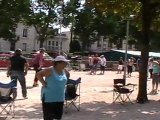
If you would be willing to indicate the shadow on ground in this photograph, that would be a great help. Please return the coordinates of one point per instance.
(105, 111)
(97, 111)
(28, 112)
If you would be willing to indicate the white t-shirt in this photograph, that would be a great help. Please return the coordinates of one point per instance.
(150, 65)
(103, 61)
(90, 61)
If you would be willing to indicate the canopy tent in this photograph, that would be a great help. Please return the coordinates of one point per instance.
(114, 55)
(138, 53)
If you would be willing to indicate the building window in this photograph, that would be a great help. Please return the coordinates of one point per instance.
(49, 43)
(25, 32)
(56, 43)
(52, 43)
(24, 47)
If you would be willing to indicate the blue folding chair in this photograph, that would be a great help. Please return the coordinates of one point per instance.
(72, 94)
(8, 94)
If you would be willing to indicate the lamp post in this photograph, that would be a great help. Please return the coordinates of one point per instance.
(126, 46)
(102, 43)
(60, 10)
(60, 36)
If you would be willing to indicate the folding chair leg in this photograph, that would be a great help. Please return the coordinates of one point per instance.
(66, 107)
(4, 109)
(79, 103)
(13, 110)
(118, 97)
(114, 100)
(9, 111)
(128, 98)
(72, 103)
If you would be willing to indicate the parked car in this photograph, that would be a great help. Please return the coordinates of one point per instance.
(48, 61)
(3, 62)
(7, 52)
(4, 56)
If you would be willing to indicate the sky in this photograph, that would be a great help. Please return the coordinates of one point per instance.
(65, 29)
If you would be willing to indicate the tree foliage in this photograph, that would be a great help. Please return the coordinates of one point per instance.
(43, 15)
(146, 11)
(75, 46)
(11, 13)
(83, 26)
(91, 22)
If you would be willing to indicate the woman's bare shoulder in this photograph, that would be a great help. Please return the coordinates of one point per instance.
(46, 71)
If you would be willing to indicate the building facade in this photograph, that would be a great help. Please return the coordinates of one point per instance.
(105, 45)
(62, 39)
(28, 40)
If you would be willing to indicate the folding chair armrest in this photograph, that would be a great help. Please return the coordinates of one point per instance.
(130, 84)
(118, 85)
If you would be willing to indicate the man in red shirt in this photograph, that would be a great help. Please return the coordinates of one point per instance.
(95, 63)
(38, 63)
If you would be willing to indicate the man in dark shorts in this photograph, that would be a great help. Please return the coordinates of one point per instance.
(102, 64)
(95, 63)
(120, 65)
(18, 68)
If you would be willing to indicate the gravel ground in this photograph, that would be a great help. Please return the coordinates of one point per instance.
(96, 100)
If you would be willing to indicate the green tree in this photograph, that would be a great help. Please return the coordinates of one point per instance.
(75, 46)
(43, 16)
(69, 12)
(155, 34)
(11, 13)
(111, 27)
(155, 41)
(146, 10)
(83, 27)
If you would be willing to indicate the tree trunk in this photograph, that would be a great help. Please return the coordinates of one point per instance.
(71, 50)
(12, 46)
(84, 40)
(71, 39)
(144, 42)
(41, 40)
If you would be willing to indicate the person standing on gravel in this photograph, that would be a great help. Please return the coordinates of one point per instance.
(53, 81)
(38, 63)
(18, 68)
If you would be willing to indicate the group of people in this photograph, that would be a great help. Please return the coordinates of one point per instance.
(53, 80)
(130, 66)
(95, 61)
(153, 70)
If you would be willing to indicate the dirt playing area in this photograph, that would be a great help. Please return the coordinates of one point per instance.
(96, 100)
